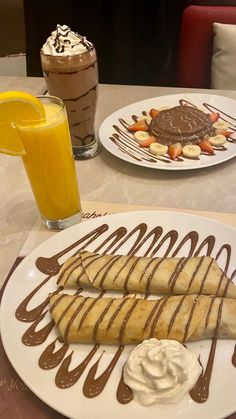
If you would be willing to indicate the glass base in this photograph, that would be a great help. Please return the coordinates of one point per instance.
(86, 152)
(62, 224)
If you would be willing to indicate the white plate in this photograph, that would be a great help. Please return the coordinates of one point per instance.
(71, 402)
(132, 153)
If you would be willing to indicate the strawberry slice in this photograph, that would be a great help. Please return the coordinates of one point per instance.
(175, 150)
(154, 112)
(214, 116)
(206, 146)
(148, 141)
(224, 132)
(138, 126)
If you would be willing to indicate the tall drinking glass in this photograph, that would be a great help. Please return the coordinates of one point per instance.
(50, 166)
(75, 80)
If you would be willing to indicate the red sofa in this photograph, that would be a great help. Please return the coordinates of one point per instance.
(195, 43)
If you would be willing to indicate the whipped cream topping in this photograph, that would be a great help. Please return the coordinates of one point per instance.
(63, 41)
(161, 371)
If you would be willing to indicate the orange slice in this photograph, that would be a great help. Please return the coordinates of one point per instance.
(16, 106)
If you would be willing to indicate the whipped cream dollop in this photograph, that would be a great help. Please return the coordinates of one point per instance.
(161, 371)
(63, 41)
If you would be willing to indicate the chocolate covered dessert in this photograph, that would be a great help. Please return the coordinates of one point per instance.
(183, 124)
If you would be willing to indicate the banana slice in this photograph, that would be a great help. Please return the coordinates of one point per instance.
(220, 124)
(191, 150)
(141, 136)
(217, 140)
(146, 118)
(158, 149)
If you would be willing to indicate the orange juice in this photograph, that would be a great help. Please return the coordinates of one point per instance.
(49, 163)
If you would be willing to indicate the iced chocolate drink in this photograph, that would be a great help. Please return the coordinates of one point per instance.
(69, 65)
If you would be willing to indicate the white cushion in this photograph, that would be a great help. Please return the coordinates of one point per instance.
(223, 65)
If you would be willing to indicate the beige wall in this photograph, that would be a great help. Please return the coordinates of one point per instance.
(12, 30)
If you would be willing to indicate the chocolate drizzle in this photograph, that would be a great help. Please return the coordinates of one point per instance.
(64, 377)
(50, 359)
(74, 99)
(124, 394)
(200, 390)
(51, 265)
(135, 239)
(234, 357)
(125, 142)
(25, 315)
(62, 39)
(33, 338)
(94, 386)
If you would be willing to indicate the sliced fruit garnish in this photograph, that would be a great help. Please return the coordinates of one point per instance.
(217, 140)
(224, 132)
(146, 118)
(158, 149)
(214, 116)
(206, 146)
(154, 112)
(191, 151)
(141, 136)
(16, 106)
(175, 150)
(138, 126)
(220, 124)
(150, 140)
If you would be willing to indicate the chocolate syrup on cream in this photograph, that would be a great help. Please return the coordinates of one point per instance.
(152, 241)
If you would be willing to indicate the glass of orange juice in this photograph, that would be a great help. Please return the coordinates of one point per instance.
(50, 166)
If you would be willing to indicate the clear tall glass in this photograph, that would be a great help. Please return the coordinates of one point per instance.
(50, 166)
(74, 78)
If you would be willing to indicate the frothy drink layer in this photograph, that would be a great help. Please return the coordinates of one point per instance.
(70, 69)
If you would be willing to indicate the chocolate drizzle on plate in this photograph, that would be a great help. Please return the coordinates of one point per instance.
(51, 358)
(94, 386)
(65, 378)
(59, 356)
(125, 142)
(124, 393)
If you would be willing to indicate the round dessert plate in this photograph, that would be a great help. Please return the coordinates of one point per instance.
(28, 331)
(119, 141)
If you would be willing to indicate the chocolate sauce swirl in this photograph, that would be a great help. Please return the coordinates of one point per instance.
(50, 358)
(166, 131)
(94, 386)
(124, 393)
(65, 378)
(135, 239)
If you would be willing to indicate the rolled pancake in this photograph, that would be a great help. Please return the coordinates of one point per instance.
(191, 275)
(129, 320)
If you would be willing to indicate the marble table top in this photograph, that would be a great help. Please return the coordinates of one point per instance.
(106, 178)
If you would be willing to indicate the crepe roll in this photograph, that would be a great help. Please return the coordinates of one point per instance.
(130, 320)
(186, 275)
